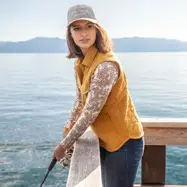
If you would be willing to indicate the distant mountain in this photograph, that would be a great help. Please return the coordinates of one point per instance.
(57, 45)
(1, 43)
(35, 45)
(137, 44)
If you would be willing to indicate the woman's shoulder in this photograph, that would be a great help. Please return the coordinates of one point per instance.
(108, 66)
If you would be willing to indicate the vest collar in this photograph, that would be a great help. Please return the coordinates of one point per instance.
(89, 57)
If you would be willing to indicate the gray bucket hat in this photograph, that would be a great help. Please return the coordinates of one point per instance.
(81, 12)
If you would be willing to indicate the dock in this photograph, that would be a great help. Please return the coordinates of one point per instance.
(85, 168)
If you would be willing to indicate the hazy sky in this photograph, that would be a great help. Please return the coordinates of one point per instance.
(25, 19)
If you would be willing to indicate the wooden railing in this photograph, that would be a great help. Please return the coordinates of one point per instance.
(85, 168)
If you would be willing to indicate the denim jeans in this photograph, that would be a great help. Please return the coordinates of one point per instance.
(119, 168)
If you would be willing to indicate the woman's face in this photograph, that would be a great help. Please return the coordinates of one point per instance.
(83, 33)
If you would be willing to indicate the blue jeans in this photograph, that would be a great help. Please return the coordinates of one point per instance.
(119, 168)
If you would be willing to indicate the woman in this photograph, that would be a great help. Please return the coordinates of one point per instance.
(103, 101)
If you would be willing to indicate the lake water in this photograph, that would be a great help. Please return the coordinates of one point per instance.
(36, 96)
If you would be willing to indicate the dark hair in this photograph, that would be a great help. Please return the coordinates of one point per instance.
(103, 43)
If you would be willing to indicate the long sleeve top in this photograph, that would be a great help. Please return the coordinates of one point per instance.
(102, 81)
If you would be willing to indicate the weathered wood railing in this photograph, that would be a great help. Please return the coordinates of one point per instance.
(85, 165)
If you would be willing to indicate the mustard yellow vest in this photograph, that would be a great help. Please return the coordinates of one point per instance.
(118, 120)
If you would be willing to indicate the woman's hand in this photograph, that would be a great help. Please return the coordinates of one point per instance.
(59, 153)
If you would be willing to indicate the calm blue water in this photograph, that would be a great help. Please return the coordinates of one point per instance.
(36, 95)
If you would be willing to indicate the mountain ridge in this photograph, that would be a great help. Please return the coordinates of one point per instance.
(125, 44)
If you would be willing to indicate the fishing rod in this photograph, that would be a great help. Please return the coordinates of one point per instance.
(52, 164)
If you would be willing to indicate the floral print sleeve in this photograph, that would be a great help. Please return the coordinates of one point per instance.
(77, 107)
(102, 81)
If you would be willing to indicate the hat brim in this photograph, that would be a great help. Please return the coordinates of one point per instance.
(87, 19)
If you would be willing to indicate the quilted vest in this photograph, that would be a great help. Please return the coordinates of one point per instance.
(118, 120)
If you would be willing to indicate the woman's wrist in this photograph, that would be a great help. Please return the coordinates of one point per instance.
(61, 146)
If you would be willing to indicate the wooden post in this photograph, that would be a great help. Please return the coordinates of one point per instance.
(154, 165)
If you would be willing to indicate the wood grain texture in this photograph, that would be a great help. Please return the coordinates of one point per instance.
(85, 163)
(154, 165)
(165, 136)
(164, 123)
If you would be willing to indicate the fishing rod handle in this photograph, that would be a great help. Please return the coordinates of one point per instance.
(52, 164)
